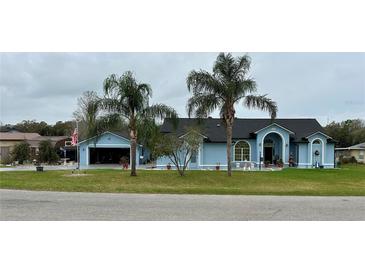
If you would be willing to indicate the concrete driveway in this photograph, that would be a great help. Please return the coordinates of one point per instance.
(64, 206)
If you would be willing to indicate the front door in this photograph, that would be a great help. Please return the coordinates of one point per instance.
(268, 154)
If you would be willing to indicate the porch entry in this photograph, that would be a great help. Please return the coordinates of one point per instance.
(273, 148)
(317, 153)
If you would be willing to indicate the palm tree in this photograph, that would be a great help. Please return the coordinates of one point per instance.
(130, 99)
(228, 85)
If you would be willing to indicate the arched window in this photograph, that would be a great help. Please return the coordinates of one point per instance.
(241, 151)
(317, 142)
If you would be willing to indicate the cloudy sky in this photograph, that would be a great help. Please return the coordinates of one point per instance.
(45, 86)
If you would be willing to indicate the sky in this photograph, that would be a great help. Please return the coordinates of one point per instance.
(45, 86)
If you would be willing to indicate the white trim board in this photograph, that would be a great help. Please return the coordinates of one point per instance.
(274, 124)
(108, 146)
(319, 132)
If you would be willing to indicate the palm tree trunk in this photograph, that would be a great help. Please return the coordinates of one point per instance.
(229, 146)
(133, 136)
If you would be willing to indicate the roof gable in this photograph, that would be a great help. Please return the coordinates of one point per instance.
(119, 135)
(318, 132)
(274, 124)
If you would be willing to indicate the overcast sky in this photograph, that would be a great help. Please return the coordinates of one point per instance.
(45, 86)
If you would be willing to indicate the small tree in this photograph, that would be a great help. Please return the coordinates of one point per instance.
(21, 152)
(47, 153)
(179, 149)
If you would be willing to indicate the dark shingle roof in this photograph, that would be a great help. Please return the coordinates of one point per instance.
(214, 129)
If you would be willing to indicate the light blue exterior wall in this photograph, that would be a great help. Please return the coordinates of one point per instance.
(330, 155)
(307, 157)
(105, 140)
(303, 155)
(212, 153)
(284, 135)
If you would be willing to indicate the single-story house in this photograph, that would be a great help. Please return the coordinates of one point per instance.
(356, 151)
(296, 142)
(108, 148)
(12, 137)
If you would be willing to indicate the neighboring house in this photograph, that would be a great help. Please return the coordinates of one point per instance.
(108, 148)
(300, 142)
(356, 151)
(10, 138)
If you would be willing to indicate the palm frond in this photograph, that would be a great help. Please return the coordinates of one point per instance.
(261, 102)
(161, 111)
(203, 82)
(201, 105)
(224, 66)
(243, 64)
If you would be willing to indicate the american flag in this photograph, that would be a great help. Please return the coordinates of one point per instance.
(74, 138)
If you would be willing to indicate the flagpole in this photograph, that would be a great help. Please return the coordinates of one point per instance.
(77, 145)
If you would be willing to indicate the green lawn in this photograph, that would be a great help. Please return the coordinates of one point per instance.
(349, 180)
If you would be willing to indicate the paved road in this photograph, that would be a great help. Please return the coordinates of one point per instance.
(37, 205)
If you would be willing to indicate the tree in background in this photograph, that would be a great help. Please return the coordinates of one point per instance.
(179, 149)
(347, 133)
(125, 97)
(41, 128)
(92, 122)
(62, 128)
(21, 152)
(228, 85)
(47, 153)
(59, 129)
(87, 113)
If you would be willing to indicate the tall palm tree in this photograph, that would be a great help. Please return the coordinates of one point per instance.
(228, 85)
(130, 99)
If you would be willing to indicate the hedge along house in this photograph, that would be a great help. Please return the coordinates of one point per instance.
(108, 148)
(296, 142)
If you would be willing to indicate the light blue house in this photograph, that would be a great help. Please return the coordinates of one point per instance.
(109, 148)
(258, 142)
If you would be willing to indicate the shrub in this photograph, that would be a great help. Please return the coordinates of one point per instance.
(21, 152)
(353, 160)
(47, 153)
(7, 160)
(347, 160)
(344, 161)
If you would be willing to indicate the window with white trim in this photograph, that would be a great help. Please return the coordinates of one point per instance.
(241, 151)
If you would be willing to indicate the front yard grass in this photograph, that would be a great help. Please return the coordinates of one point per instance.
(349, 180)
